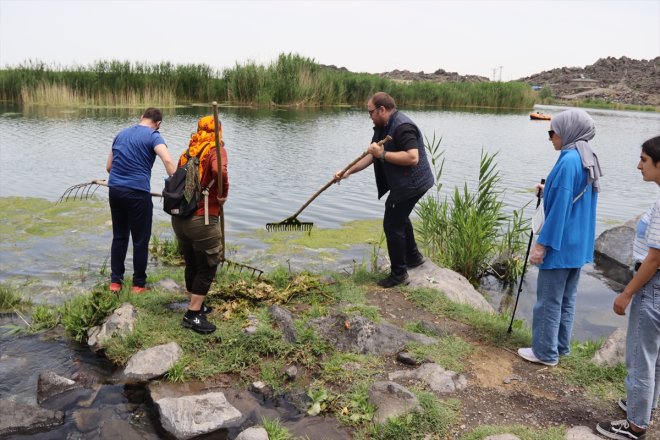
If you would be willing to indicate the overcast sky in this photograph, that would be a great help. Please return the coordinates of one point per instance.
(468, 37)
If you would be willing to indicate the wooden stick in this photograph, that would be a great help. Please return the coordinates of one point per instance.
(216, 124)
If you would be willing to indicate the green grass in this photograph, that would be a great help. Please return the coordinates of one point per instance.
(290, 80)
(449, 352)
(10, 298)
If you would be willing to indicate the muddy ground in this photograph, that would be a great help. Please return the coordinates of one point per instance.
(504, 389)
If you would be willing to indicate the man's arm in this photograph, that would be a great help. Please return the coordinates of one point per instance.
(164, 154)
(108, 163)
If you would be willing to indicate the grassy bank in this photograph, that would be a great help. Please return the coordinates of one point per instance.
(291, 80)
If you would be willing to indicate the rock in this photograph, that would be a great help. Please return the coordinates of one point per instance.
(392, 400)
(254, 433)
(454, 285)
(87, 419)
(613, 351)
(189, 416)
(359, 335)
(153, 362)
(406, 358)
(51, 384)
(502, 437)
(120, 323)
(168, 284)
(19, 418)
(613, 253)
(262, 388)
(581, 433)
(119, 429)
(436, 377)
(291, 372)
(284, 320)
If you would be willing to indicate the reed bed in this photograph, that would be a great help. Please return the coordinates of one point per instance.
(290, 80)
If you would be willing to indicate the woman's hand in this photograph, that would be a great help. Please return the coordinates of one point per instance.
(539, 187)
(537, 254)
(621, 303)
(222, 200)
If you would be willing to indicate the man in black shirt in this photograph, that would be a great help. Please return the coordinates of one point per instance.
(401, 168)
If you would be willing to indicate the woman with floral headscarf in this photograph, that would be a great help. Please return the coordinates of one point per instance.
(200, 236)
(565, 242)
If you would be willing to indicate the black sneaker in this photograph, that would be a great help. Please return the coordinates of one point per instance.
(416, 263)
(619, 430)
(394, 280)
(205, 310)
(199, 323)
(624, 406)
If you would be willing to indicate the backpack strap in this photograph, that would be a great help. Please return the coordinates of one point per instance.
(581, 194)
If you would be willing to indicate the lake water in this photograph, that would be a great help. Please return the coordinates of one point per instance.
(279, 158)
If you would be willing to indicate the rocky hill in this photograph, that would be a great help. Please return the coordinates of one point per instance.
(621, 80)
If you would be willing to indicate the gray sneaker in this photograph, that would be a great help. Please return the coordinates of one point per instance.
(619, 430)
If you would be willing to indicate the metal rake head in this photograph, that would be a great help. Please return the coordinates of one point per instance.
(232, 266)
(82, 191)
(289, 224)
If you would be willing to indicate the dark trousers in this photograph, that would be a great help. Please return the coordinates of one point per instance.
(401, 244)
(132, 212)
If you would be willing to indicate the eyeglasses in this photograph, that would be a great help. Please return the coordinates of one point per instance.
(371, 112)
(551, 133)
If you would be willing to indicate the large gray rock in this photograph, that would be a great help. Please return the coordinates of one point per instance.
(359, 335)
(613, 351)
(121, 322)
(153, 362)
(392, 400)
(457, 288)
(581, 433)
(254, 433)
(189, 416)
(51, 384)
(436, 377)
(19, 418)
(285, 321)
(613, 253)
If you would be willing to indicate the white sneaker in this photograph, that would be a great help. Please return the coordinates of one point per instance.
(528, 355)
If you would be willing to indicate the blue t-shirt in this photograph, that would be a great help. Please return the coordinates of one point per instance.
(570, 227)
(133, 157)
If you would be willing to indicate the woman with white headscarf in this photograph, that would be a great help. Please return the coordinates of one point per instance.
(566, 239)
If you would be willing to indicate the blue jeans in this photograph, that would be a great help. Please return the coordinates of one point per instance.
(131, 212)
(552, 322)
(643, 353)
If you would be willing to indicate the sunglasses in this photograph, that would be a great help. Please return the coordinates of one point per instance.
(551, 133)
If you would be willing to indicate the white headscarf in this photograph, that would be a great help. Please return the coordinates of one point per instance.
(576, 128)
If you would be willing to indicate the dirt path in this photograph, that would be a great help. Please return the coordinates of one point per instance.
(502, 388)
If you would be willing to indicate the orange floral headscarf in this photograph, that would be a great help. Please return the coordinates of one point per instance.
(205, 137)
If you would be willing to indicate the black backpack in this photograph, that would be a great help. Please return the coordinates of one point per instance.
(175, 202)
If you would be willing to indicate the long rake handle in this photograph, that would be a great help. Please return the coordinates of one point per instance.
(333, 180)
(216, 125)
(105, 183)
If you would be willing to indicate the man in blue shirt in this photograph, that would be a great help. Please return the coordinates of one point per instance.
(131, 158)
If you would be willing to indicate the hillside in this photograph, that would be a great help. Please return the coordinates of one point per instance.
(622, 80)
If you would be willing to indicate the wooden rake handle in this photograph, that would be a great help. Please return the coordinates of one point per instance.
(341, 173)
(216, 125)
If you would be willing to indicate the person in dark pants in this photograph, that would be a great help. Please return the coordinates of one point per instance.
(200, 235)
(401, 167)
(131, 158)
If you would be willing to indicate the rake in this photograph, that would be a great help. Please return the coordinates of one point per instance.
(230, 266)
(292, 223)
(84, 191)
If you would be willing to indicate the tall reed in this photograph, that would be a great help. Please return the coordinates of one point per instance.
(469, 232)
(290, 80)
